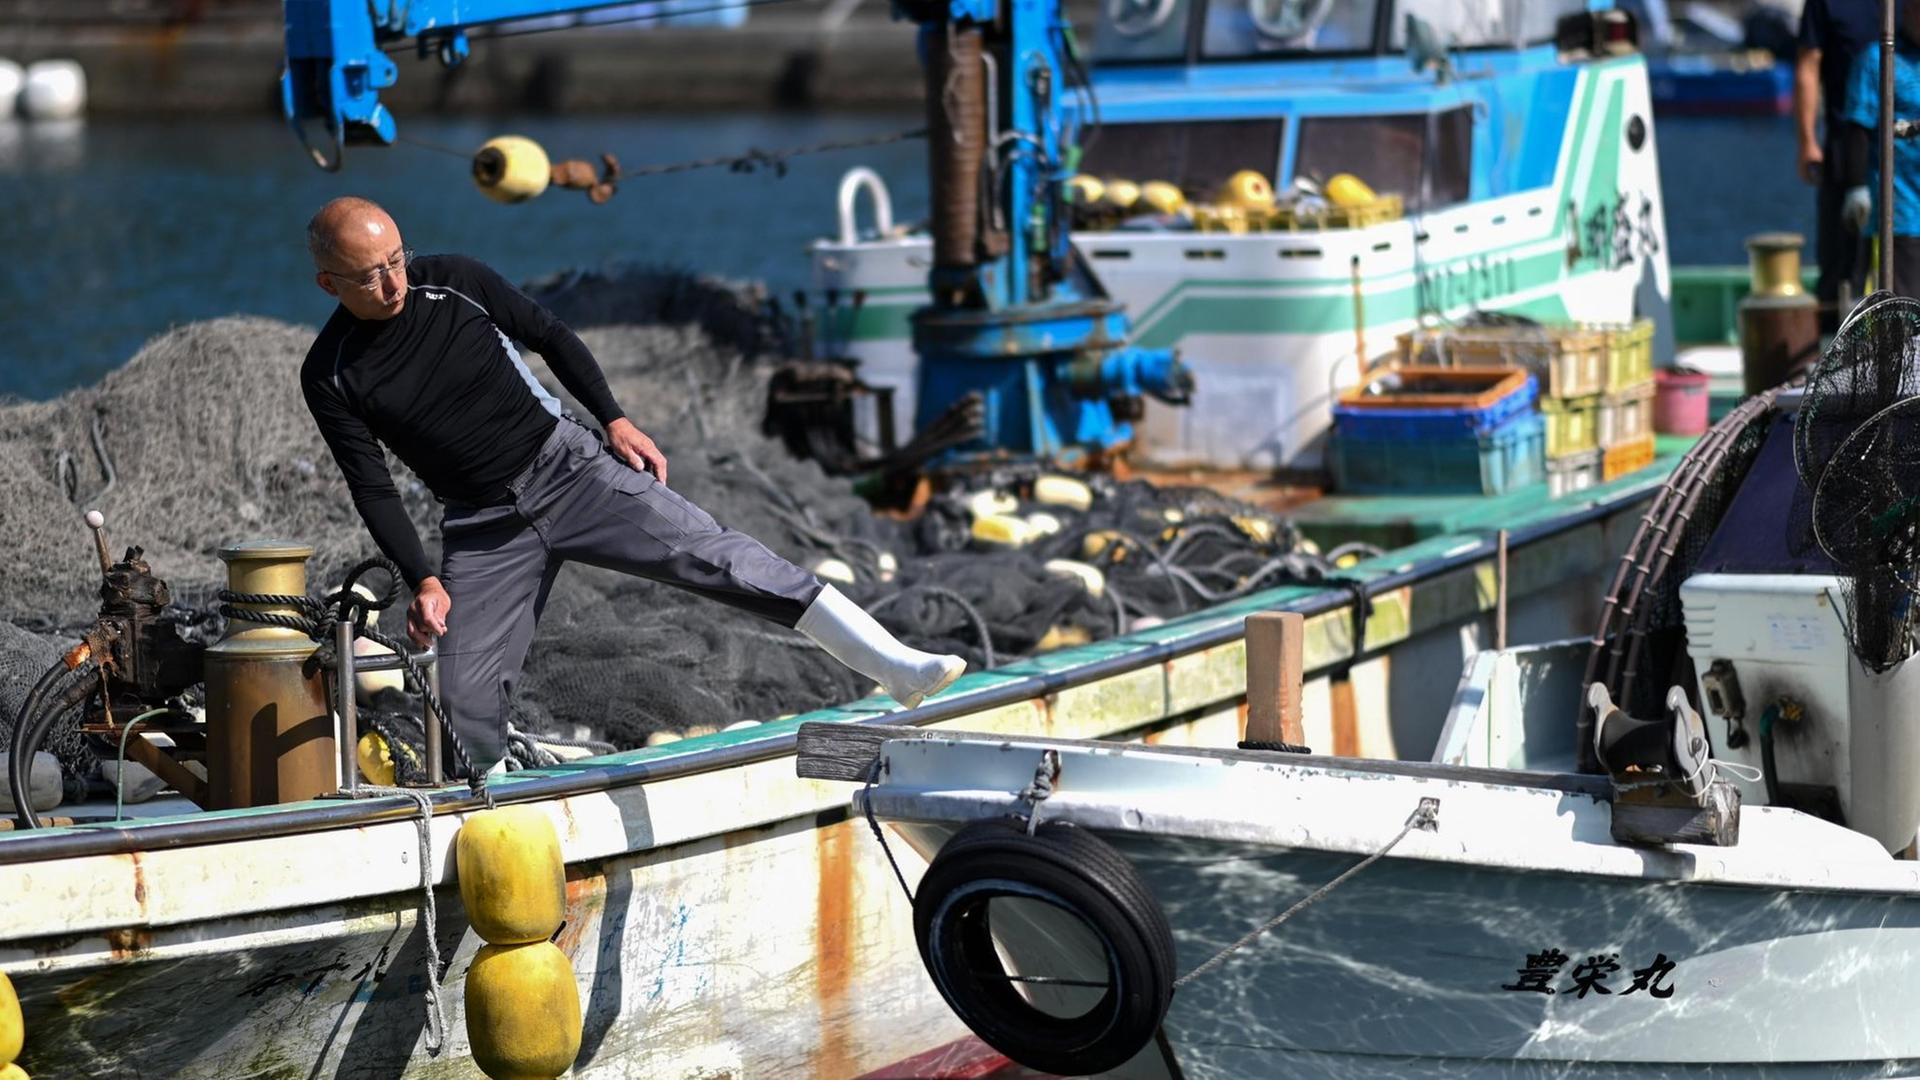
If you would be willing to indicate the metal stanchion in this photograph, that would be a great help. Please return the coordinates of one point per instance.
(431, 721)
(349, 733)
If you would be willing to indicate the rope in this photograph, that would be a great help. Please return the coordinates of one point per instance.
(1425, 816)
(1041, 788)
(319, 618)
(866, 800)
(436, 1012)
(1277, 746)
(753, 160)
(942, 593)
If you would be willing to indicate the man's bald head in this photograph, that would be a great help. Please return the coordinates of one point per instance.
(358, 257)
(341, 222)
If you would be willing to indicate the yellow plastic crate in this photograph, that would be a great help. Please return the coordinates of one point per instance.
(1628, 457)
(1629, 355)
(1570, 362)
(1573, 424)
(1627, 415)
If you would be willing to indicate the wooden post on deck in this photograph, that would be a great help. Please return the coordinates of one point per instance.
(1274, 640)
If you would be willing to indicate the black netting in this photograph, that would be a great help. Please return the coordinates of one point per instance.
(207, 440)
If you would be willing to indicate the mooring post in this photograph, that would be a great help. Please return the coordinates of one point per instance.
(1274, 647)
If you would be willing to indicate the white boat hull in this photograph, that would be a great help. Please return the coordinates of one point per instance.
(1792, 954)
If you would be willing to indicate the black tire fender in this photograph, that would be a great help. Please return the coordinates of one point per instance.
(1068, 868)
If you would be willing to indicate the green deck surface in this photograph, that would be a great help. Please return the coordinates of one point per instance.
(1394, 521)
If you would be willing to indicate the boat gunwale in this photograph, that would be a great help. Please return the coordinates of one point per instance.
(1108, 810)
(586, 777)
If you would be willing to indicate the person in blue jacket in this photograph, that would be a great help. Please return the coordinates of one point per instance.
(1862, 207)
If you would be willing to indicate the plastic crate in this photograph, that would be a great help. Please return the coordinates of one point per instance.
(1629, 355)
(1573, 424)
(1415, 404)
(1574, 472)
(1568, 361)
(1627, 415)
(1631, 456)
(1499, 461)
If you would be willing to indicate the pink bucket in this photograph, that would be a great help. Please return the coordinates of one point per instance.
(1680, 402)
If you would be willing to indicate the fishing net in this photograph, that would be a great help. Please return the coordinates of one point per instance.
(1856, 450)
(202, 439)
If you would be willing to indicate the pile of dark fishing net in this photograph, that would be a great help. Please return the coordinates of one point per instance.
(202, 439)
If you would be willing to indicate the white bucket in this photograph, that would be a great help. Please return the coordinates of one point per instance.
(54, 90)
(12, 77)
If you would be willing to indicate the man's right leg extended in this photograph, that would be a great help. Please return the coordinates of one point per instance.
(497, 572)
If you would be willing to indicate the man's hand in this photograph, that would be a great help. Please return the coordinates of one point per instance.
(1812, 161)
(636, 449)
(1857, 210)
(427, 616)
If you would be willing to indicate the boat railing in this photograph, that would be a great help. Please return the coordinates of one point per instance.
(347, 713)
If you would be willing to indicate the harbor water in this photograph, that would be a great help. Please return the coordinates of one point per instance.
(118, 230)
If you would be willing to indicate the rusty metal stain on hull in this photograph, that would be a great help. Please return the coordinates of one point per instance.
(833, 937)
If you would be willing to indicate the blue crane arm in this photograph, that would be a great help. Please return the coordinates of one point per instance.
(337, 60)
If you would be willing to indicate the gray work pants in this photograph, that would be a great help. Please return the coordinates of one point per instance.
(578, 503)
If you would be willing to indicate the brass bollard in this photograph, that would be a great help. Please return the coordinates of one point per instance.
(1779, 322)
(269, 730)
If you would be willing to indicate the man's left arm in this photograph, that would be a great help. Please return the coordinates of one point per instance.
(573, 364)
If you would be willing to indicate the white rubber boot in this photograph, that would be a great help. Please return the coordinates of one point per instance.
(851, 636)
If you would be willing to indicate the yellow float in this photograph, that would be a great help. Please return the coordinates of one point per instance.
(1163, 197)
(13, 1029)
(1347, 191)
(511, 169)
(1247, 190)
(512, 877)
(523, 1011)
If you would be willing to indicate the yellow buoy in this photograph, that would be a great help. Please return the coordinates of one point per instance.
(1122, 194)
(1084, 190)
(512, 877)
(1247, 190)
(376, 759)
(11, 1071)
(1090, 578)
(1055, 490)
(1347, 190)
(511, 169)
(13, 1029)
(523, 1011)
(988, 502)
(1001, 530)
(1163, 197)
(1098, 543)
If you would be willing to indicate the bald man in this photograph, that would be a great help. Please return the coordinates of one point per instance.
(419, 356)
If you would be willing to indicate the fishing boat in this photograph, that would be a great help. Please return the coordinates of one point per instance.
(1714, 874)
(1521, 181)
(725, 917)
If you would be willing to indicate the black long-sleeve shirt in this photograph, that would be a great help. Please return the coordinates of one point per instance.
(441, 384)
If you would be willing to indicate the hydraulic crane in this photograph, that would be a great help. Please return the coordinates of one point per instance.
(1016, 315)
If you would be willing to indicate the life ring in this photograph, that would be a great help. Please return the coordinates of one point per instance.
(1070, 869)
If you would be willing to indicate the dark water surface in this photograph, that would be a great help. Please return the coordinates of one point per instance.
(114, 231)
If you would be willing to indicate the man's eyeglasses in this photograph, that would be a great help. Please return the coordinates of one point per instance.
(371, 282)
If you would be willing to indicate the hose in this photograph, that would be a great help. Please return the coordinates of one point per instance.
(37, 717)
(120, 758)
